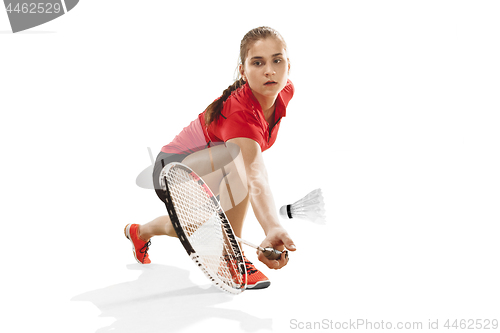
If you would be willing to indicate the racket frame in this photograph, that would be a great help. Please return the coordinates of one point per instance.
(185, 240)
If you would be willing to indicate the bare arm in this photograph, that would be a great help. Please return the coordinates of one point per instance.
(262, 201)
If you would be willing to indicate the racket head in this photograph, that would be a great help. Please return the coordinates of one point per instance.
(203, 228)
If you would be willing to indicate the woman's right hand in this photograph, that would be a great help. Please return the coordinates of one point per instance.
(278, 239)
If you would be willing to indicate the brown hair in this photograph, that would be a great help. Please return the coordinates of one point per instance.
(214, 110)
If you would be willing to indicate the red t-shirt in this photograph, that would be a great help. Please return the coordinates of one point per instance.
(241, 117)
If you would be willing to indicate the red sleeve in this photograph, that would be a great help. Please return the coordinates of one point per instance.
(242, 124)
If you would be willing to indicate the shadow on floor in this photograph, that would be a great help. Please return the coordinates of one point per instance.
(163, 299)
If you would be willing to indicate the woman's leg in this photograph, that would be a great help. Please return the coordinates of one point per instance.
(237, 214)
(222, 169)
(158, 227)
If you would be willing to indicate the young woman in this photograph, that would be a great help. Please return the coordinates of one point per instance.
(231, 134)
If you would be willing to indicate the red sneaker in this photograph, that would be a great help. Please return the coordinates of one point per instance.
(255, 278)
(139, 246)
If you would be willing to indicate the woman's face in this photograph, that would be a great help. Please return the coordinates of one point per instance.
(266, 67)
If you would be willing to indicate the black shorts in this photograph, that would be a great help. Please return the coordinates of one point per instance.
(166, 158)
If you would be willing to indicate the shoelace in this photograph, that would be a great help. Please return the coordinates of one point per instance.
(144, 250)
(250, 267)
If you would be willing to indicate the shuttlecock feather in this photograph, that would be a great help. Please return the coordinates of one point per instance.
(311, 208)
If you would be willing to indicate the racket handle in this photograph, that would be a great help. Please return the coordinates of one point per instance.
(271, 254)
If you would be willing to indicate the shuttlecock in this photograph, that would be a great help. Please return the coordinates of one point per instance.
(311, 208)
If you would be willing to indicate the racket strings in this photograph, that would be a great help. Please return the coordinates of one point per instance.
(198, 215)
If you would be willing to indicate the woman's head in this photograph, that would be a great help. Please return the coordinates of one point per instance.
(264, 61)
(263, 58)
(255, 35)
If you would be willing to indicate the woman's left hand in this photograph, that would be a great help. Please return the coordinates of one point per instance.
(278, 239)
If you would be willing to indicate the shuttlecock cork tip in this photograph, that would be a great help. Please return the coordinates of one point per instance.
(285, 212)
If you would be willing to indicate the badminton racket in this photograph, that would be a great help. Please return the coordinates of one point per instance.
(204, 230)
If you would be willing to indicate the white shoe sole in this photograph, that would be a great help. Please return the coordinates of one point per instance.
(259, 285)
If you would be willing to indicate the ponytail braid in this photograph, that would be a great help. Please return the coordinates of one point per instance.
(214, 110)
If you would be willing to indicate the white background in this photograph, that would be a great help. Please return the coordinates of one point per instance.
(395, 117)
